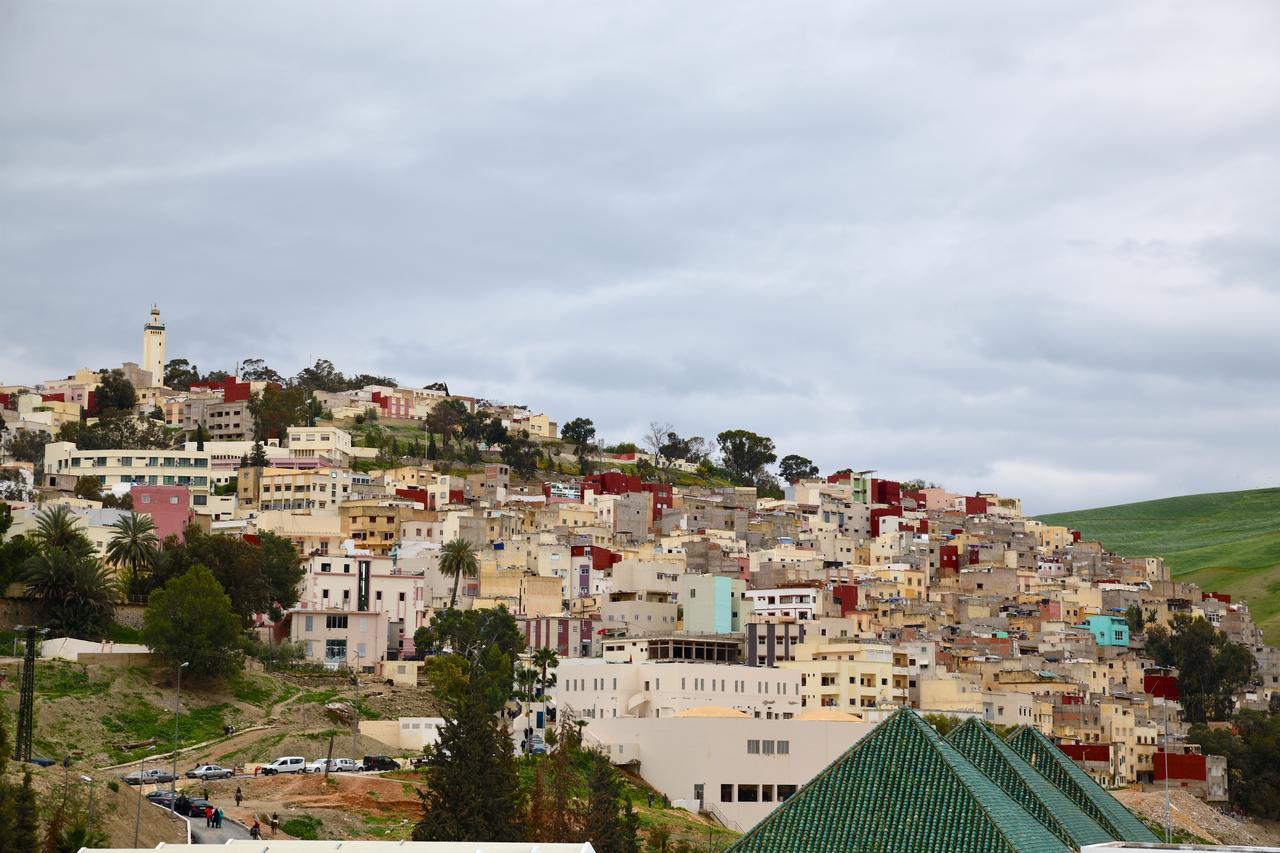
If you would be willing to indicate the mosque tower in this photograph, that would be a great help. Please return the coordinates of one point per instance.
(153, 347)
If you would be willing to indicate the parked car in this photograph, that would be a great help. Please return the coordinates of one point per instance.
(152, 776)
(379, 762)
(336, 765)
(210, 771)
(286, 764)
(191, 806)
(162, 798)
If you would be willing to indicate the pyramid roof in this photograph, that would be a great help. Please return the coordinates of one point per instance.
(1052, 763)
(976, 741)
(900, 788)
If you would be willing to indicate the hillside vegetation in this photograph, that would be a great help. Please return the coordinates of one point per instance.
(1225, 542)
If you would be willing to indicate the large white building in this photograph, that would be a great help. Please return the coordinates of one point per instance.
(735, 767)
(595, 689)
(190, 468)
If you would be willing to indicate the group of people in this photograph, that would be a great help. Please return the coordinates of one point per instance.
(212, 817)
(255, 831)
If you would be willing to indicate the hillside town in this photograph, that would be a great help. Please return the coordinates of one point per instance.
(719, 631)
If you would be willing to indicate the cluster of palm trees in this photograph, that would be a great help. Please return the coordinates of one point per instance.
(532, 682)
(77, 590)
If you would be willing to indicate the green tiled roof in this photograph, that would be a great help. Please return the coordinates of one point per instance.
(1040, 752)
(900, 788)
(976, 741)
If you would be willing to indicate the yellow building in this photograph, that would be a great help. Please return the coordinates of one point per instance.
(374, 524)
(845, 675)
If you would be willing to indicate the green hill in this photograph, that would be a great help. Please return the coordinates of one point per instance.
(1225, 542)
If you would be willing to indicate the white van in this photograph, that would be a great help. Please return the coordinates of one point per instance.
(288, 764)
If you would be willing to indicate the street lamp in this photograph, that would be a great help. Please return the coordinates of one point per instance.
(142, 778)
(173, 783)
(89, 780)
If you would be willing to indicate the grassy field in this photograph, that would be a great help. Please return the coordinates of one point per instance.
(1225, 542)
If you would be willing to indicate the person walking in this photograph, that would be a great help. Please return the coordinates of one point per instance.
(208, 816)
(239, 796)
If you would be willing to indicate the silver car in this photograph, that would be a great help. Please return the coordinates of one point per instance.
(210, 771)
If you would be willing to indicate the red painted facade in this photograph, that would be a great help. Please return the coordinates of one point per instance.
(1181, 767)
(168, 506)
(420, 495)
(845, 595)
(975, 506)
(1161, 686)
(1096, 752)
(886, 492)
(948, 557)
(883, 512)
(601, 558)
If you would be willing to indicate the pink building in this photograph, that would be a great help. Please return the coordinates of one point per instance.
(168, 506)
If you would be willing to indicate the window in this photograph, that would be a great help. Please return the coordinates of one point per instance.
(767, 747)
(748, 793)
(334, 622)
(326, 567)
(784, 748)
(310, 623)
(753, 747)
(726, 793)
(401, 596)
(146, 499)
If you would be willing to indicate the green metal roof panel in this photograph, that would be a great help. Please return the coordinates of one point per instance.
(901, 788)
(976, 741)
(1052, 763)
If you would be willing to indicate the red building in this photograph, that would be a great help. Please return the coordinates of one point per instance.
(886, 492)
(845, 595)
(168, 506)
(975, 506)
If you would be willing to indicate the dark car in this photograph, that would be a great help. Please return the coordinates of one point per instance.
(191, 806)
(161, 797)
(379, 762)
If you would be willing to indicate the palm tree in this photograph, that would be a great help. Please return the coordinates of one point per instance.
(77, 591)
(134, 545)
(545, 659)
(56, 527)
(526, 681)
(458, 559)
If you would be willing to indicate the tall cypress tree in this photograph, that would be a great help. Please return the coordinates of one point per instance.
(258, 458)
(6, 791)
(433, 452)
(473, 792)
(603, 825)
(25, 837)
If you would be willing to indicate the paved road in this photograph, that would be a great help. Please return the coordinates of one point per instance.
(201, 834)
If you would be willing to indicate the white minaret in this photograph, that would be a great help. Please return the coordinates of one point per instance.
(153, 347)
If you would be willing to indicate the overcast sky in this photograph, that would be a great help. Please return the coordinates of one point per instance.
(1031, 248)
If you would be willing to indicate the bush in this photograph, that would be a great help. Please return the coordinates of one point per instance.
(304, 827)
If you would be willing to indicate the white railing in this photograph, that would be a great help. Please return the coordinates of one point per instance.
(719, 815)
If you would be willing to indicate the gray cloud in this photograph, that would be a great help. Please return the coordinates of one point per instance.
(1023, 247)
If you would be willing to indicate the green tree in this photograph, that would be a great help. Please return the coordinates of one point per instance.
(745, 454)
(794, 468)
(579, 431)
(258, 456)
(943, 723)
(1211, 668)
(520, 454)
(495, 433)
(180, 374)
(114, 391)
(458, 560)
(134, 547)
(473, 791)
(260, 578)
(89, 488)
(275, 409)
(606, 823)
(486, 641)
(200, 437)
(545, 660)
(58, 527)
(26, 818)
(191, 619)
(322, 376)
(77, 594)
(256, 370)
(446, 419)
(119, 429)
(27, 445)
(363, 380)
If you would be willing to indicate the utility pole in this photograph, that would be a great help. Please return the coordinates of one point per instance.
(142, 778)
(89, 819)
(173, 783)
(1168, 831)
(27, 697)
(355, 709)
